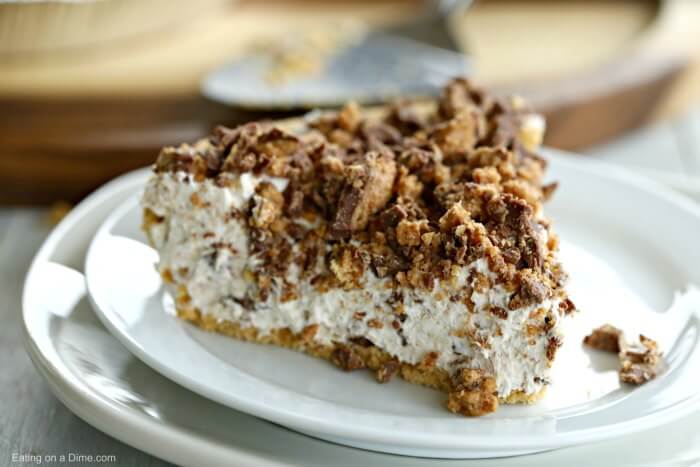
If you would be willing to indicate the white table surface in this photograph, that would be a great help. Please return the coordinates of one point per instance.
(33, 421)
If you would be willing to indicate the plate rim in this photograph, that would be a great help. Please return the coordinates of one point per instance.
(301, 423)
(128, 426)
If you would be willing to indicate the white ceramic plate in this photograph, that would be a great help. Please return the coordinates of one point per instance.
(622, 271)
(108, 387)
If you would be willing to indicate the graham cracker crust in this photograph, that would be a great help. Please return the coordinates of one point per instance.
(357, 355)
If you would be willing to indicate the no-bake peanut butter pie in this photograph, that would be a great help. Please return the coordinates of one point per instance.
(409, 240)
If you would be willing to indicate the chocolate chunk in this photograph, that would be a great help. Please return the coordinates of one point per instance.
(375, 132)
(457, 95)
(504, 132)
(567, 306)
(404, 341)
(511, 255)
(530, 291)
(294, 201)
(253, 147)
(224, 137)
(391, 217)
(347, 359)
(508, 127)
(404, 117)
(606, 337)
(458, 136)
(553, 344)
(361, 341)
(301, 166)
(276, 143)
(548, 190)
(498, 312)
(387, 370)
(639, 361)
(513, 220)
(388, 265)
(367, 189)
(425, 160)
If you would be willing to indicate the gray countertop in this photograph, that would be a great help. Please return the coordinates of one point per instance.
(33, 421)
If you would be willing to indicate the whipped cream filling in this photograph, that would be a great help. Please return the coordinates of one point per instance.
(190, 242)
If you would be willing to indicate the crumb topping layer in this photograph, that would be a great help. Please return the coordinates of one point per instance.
(409, 195)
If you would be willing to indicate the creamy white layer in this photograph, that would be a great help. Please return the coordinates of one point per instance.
(215, 280)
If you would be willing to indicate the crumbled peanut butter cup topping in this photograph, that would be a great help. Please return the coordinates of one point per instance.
(640, 360)
(410, 194)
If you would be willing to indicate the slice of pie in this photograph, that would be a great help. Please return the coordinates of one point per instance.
(410, 241)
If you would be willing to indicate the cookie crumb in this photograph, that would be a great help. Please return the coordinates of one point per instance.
(474, 394)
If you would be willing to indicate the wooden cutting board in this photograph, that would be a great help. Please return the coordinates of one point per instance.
(75, 117)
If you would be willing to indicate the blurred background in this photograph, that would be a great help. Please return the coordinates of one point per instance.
(91, 89)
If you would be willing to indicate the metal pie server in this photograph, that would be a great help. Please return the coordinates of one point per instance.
(413, 59)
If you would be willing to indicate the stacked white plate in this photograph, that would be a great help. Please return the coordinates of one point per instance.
(100, 328)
